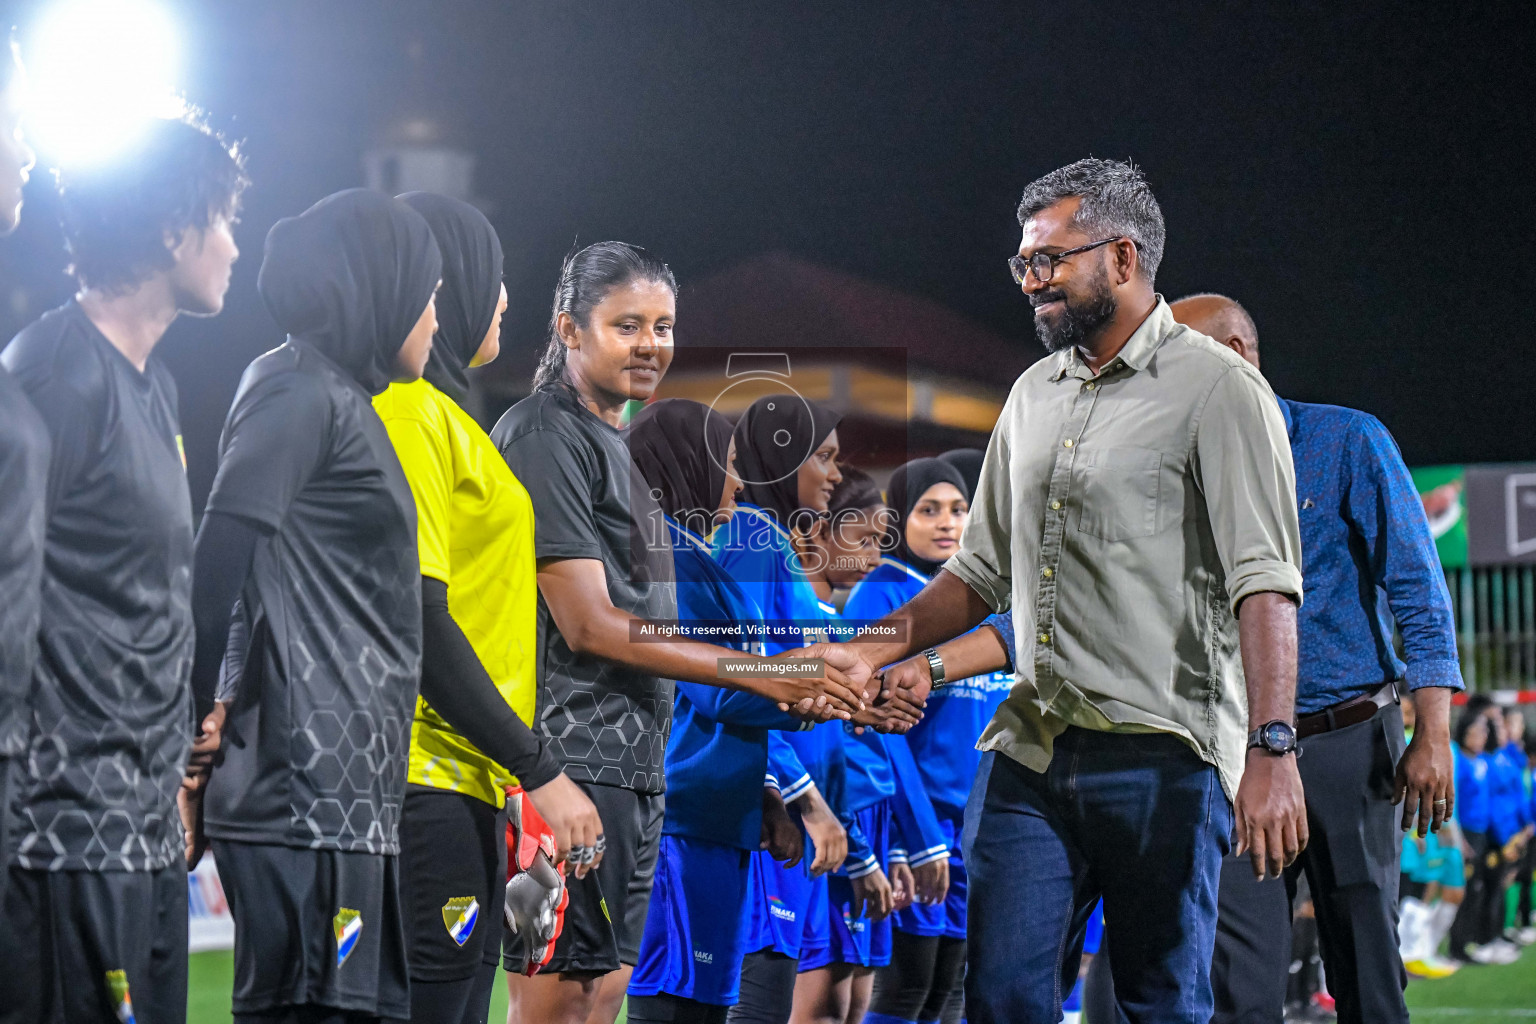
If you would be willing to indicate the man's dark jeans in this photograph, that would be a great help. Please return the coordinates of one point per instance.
(1139, 820)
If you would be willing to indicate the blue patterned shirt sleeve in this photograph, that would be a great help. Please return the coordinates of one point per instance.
(1369, 563)
(1004, 625)
(1384, 507)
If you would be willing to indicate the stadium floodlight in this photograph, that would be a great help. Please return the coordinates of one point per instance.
(100, 70)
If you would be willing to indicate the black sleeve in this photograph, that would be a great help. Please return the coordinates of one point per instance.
(222, 559)
(74, 409)
(276, 438)
(558, 474)
(457, 687)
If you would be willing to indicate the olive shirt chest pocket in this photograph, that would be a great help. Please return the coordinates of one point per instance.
(1115, 492)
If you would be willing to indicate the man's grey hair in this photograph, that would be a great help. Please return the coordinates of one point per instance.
(1116, 201)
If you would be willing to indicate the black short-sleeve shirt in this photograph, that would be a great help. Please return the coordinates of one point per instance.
(111, 700)
(607, 723)
(325, 653)
(23, 483)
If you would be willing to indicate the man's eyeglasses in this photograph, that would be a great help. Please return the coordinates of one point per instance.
(1044, 263)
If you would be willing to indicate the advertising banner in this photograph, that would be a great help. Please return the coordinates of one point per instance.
(1443, 491)
(209, 925)
(1501, 509)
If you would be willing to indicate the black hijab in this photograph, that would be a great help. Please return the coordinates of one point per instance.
(774, 437)
(680, 447)
(350, 277)
(906, 488)
(466, 303)
(968, 461)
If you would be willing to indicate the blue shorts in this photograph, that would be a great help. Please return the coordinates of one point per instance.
(786, 907)
(695, 930)
(848, 939)
(946, 920)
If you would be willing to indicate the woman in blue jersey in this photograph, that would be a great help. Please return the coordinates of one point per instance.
(883, 791)
(1515, 750)
(1509, 813)
(1471, 937)
(923, 982)
(786, 456)
(718, 810)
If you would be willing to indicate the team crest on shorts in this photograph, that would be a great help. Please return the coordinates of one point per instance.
(855, 925)
(122, 1002)
(459, 917)
(348, 925)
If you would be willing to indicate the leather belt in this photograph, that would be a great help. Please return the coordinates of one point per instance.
(1351, 712)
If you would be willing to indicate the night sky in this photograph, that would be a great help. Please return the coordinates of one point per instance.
(1360, 179)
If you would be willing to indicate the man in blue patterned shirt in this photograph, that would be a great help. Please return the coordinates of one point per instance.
(1368, 562)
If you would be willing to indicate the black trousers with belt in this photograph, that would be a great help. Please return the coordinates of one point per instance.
(1351, 862)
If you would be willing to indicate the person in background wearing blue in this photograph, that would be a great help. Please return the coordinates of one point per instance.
(718, 810)
(1518, 752)
(1509, 817)
(930, 499)
(786, 456)
(1471, 938)
(1370, 565)
(884, 790)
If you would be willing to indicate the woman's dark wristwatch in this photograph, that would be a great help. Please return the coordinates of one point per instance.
(935, 667)
(1276, 737)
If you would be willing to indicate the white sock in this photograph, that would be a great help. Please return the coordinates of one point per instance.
(1440, 920)
(1411, 922)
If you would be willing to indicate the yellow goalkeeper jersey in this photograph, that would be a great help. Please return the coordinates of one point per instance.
(474, 525)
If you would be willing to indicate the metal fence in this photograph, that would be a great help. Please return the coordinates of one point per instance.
(1495, 625)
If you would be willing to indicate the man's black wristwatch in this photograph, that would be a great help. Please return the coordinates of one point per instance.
(935, 667)
(1276, 737)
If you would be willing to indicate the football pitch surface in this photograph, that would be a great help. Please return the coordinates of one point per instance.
(212, 976)
(1473, 995)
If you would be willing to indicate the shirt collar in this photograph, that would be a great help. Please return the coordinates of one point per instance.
(1136, 353)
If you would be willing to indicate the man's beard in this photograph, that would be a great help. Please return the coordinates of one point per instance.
(1078, 318)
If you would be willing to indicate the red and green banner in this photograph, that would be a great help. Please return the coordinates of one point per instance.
(1443, 489)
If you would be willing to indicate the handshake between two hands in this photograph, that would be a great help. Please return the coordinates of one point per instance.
(853, 690)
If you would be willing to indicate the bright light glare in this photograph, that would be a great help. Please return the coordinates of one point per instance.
(100, 70)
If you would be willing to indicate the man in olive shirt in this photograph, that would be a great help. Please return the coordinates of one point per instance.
(1136, 512)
